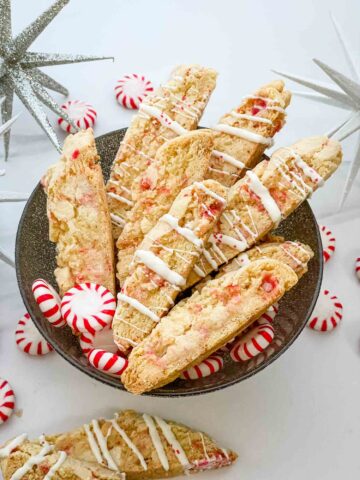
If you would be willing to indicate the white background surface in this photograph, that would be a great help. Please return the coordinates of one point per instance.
(300, 417)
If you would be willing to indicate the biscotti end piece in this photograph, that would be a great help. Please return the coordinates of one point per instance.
(206, 321)
(179, 163)
(175, 108)
(164, 259)
(251, 128)
(79, 220)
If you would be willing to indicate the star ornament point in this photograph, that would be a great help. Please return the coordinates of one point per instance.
(20, 72)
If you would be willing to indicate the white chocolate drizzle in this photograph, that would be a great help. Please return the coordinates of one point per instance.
(173, 442)
(185, 232)
(232, 242)
(16, 442)
(210, 259)
(32, 461)
(103, 446)
(243, 133)
(92, 443)
(138, 306)
(56, 466)
(253, 118)
(164, 119)
(120, 198)
(307, 169)
(129, 443)
(117, 220)
(228, 159)
(209, 192)
(158, 266)
(266, 199)
(156, 440)
(242, 260)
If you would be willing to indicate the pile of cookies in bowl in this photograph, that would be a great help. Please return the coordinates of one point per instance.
(171, 268)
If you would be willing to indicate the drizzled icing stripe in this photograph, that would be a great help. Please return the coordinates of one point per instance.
(175, 445)
(228, 159)
(93, 445)
(120, 198)
(242, 260)
(16, 442)
(243, 133)
(156, 440)
(232, 242)
(103, 446)
(138, 306)
(210, 259)
(129, 443)
(199, 272)
(187, 233)
(159, 266)
(117, 220)
(164, 119)
(253, 118)
(209, 192)
(56, 466)
(31, 462)
(266, 199)
(307, 169)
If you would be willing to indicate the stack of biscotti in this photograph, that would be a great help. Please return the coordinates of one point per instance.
(130, 446)
(174, 109)
(78, 213)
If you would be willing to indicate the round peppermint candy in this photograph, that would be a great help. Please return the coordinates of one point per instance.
(88, 307)
(269, 315)
(29, 339)
(255, 341)
(207, 367)
(7, 400)
(327, 312)
(49, 302)
(102, 340)
(107, 362)
(357, 267)
(83, 114)
(131, 90)
(328, 242)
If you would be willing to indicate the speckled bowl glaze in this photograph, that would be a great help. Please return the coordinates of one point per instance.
(35, 258)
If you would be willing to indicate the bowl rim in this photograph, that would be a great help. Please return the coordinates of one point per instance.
(107, 380)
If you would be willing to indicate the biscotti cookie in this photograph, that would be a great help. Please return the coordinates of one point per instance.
(175, 108)
(25, 460)
(164, 259)
(178, 163)
(266, 195)
(139, 445)
(79, 219)
(295, 254)
(245, 132)
(204, 322)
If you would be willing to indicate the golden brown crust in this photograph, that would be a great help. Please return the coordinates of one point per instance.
(269, 103)
(78, 214)
(132, 450)
(183, 99)
(245, 217)
(195, 209)
(179, 163)
(204, 322)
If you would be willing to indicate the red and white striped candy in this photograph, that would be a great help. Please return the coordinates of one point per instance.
(327, 313)
(102, 340)
(7, 400)
(88, 307)
(131, 90)
(83, 114)
(29, 339)
(49, 302)
(357, 267)
(252, 343)
(328, 242)
(207, 367)
(269, 315)
(107, 362)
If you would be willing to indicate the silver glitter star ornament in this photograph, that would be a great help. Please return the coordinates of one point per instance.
(346, 97)
(20, 74)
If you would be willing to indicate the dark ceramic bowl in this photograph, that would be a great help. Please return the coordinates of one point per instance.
(35, 258)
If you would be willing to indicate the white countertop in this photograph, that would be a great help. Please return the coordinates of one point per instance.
(299, 418)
